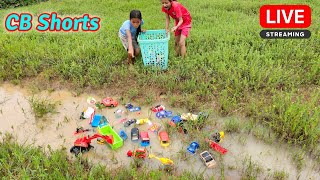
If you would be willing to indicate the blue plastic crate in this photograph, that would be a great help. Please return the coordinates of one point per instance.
(154, 48)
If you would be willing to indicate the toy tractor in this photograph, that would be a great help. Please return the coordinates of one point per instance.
(84, 144)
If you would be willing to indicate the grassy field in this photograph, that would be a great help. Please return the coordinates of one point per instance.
(274, 83)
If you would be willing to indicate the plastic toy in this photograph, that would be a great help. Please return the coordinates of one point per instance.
(177, 121)
(189, 116)
(98, 119)
(131, 108)
(109, 102)
(158, 108)
(135, 109)
(107, 130)
(208, 159)
(218, 136)
(193, 117)
(129, 122)
(164, 139)
(84, 144)
(154, 127)
(143, 121)
(87, 113)
(123, 135)
(164, 161)
(138, 153)
(135, 134)
(91, 100)
(163, 114)
(193, 147)
(145, 140)
(80, 130)
(118, 113)
(215, 146)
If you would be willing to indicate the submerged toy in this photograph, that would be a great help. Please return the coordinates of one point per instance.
(109, 102)
(164, 161)
(84, 144)
(208, 159)
(145, 140)
(163, 114)
(158, 108)
(193, 147)
(164, 139)
(138, 153)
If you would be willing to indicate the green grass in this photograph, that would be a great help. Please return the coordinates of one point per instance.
(42, 107)
(29, 162)
(273, 82)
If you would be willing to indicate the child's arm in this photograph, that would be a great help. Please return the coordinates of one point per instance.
(130, 48)
(178, 25)
(167, 22)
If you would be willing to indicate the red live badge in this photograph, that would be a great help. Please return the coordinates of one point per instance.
(285, 16)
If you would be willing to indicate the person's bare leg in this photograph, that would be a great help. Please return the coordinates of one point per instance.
(136, 53)
(182, 45)
(176, 45)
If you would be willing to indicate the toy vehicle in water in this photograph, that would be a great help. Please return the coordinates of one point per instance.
(135, 134)
(143, 121)
(208, 159)
(123, 134)
(164, 139)
(109, 102)
(193, 147)
(138, 153)
(106, 129)
(158, 108)
(145, 140)
(176, 121)
(98, 119)
(129, 122)
(163, 114)
(131, 108)
(84, 144)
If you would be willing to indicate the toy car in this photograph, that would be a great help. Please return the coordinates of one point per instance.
(208, 159)
(143, 121)
(109, 102)
(145, 140)
(163, 114)
(193, 147)
(131, 108)
(123, 135)
(158, 108)
(135, 134)
(164, 139)
(175, 120)
(129, 122)
(138, 153)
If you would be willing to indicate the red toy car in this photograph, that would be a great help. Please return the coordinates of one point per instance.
(158, 108)
(109, 102)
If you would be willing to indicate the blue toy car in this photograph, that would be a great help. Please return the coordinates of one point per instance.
(193, 147)
(123, 135)
(163, 114)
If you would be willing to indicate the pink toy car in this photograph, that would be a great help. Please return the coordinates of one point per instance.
(109, 102)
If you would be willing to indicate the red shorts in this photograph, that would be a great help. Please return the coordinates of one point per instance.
(183, 29)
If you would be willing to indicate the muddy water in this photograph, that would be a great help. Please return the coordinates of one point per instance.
(16, 117)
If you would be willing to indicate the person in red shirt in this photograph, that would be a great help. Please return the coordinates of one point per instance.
(182, 26)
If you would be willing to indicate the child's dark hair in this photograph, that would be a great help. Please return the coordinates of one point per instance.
(136, 14)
